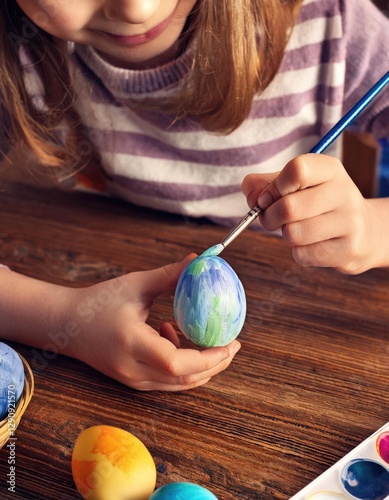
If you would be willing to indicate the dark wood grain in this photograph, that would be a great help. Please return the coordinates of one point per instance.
(361, 154)
(310, 382)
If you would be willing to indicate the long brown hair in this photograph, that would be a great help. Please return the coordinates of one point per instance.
(239, 48)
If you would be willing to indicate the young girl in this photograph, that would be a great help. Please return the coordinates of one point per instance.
(172, 104)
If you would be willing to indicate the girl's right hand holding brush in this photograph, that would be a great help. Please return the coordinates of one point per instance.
(322, 214)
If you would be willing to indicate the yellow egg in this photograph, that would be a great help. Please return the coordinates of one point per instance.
(111, 464)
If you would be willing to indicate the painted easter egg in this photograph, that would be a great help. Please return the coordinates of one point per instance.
(182, 491)
(112, 464)
(209, 301)
(11, 379)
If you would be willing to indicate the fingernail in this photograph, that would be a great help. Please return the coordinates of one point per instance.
(265, 199)
(225, 354)
(236, 348)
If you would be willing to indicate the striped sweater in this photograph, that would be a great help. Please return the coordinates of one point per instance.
(336, 52)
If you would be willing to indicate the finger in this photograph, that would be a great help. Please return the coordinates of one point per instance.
(168, 375)
(175, 382)
(168, 332)
(343, 254)
(159, 352)
(314, 230)
(299, 206)
(300, 173)
(330, 253)
(157, 281)
(150, 385)
(254, 184)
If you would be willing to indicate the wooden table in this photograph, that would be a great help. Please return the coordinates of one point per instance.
(310, 382)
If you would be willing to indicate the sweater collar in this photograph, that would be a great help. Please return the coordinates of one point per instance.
(136, 82)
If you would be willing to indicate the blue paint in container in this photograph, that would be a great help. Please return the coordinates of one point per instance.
(365, 479)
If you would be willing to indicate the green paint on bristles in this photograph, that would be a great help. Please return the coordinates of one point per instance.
(213, 251)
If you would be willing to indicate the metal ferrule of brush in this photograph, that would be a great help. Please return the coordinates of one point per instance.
(241, 226)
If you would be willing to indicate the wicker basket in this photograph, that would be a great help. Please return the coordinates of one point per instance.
(23, 402)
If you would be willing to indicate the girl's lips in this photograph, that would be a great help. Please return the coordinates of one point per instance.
(141, 38)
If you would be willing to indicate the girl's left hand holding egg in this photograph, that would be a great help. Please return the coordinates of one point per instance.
(104, 325)
(115, 339)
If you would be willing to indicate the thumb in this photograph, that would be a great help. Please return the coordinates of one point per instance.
(254, 184)
(157, 281)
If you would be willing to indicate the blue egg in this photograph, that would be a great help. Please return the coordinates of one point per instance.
(182, 491)
(11, 379)
(365, 479)
(209, 302)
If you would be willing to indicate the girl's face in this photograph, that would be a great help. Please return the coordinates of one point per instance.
(132, 34)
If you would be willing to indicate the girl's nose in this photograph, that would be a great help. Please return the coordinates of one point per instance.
(131, 11)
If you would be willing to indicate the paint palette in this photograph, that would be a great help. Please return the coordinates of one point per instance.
(363, 474)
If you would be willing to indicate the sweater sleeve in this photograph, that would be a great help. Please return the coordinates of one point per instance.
(366, 36)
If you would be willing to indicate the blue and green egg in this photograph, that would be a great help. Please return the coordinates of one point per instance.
(210, 302)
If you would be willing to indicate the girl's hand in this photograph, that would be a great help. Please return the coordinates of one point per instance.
(115, 339)
(322, 214)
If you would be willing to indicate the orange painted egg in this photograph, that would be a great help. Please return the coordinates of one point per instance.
(112, 464)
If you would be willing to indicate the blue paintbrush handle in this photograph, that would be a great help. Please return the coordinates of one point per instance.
(344, 122)
(319, 148)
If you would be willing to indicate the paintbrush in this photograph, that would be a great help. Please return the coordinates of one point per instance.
(321, 146)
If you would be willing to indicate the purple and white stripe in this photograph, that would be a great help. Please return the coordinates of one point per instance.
(154, 161)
